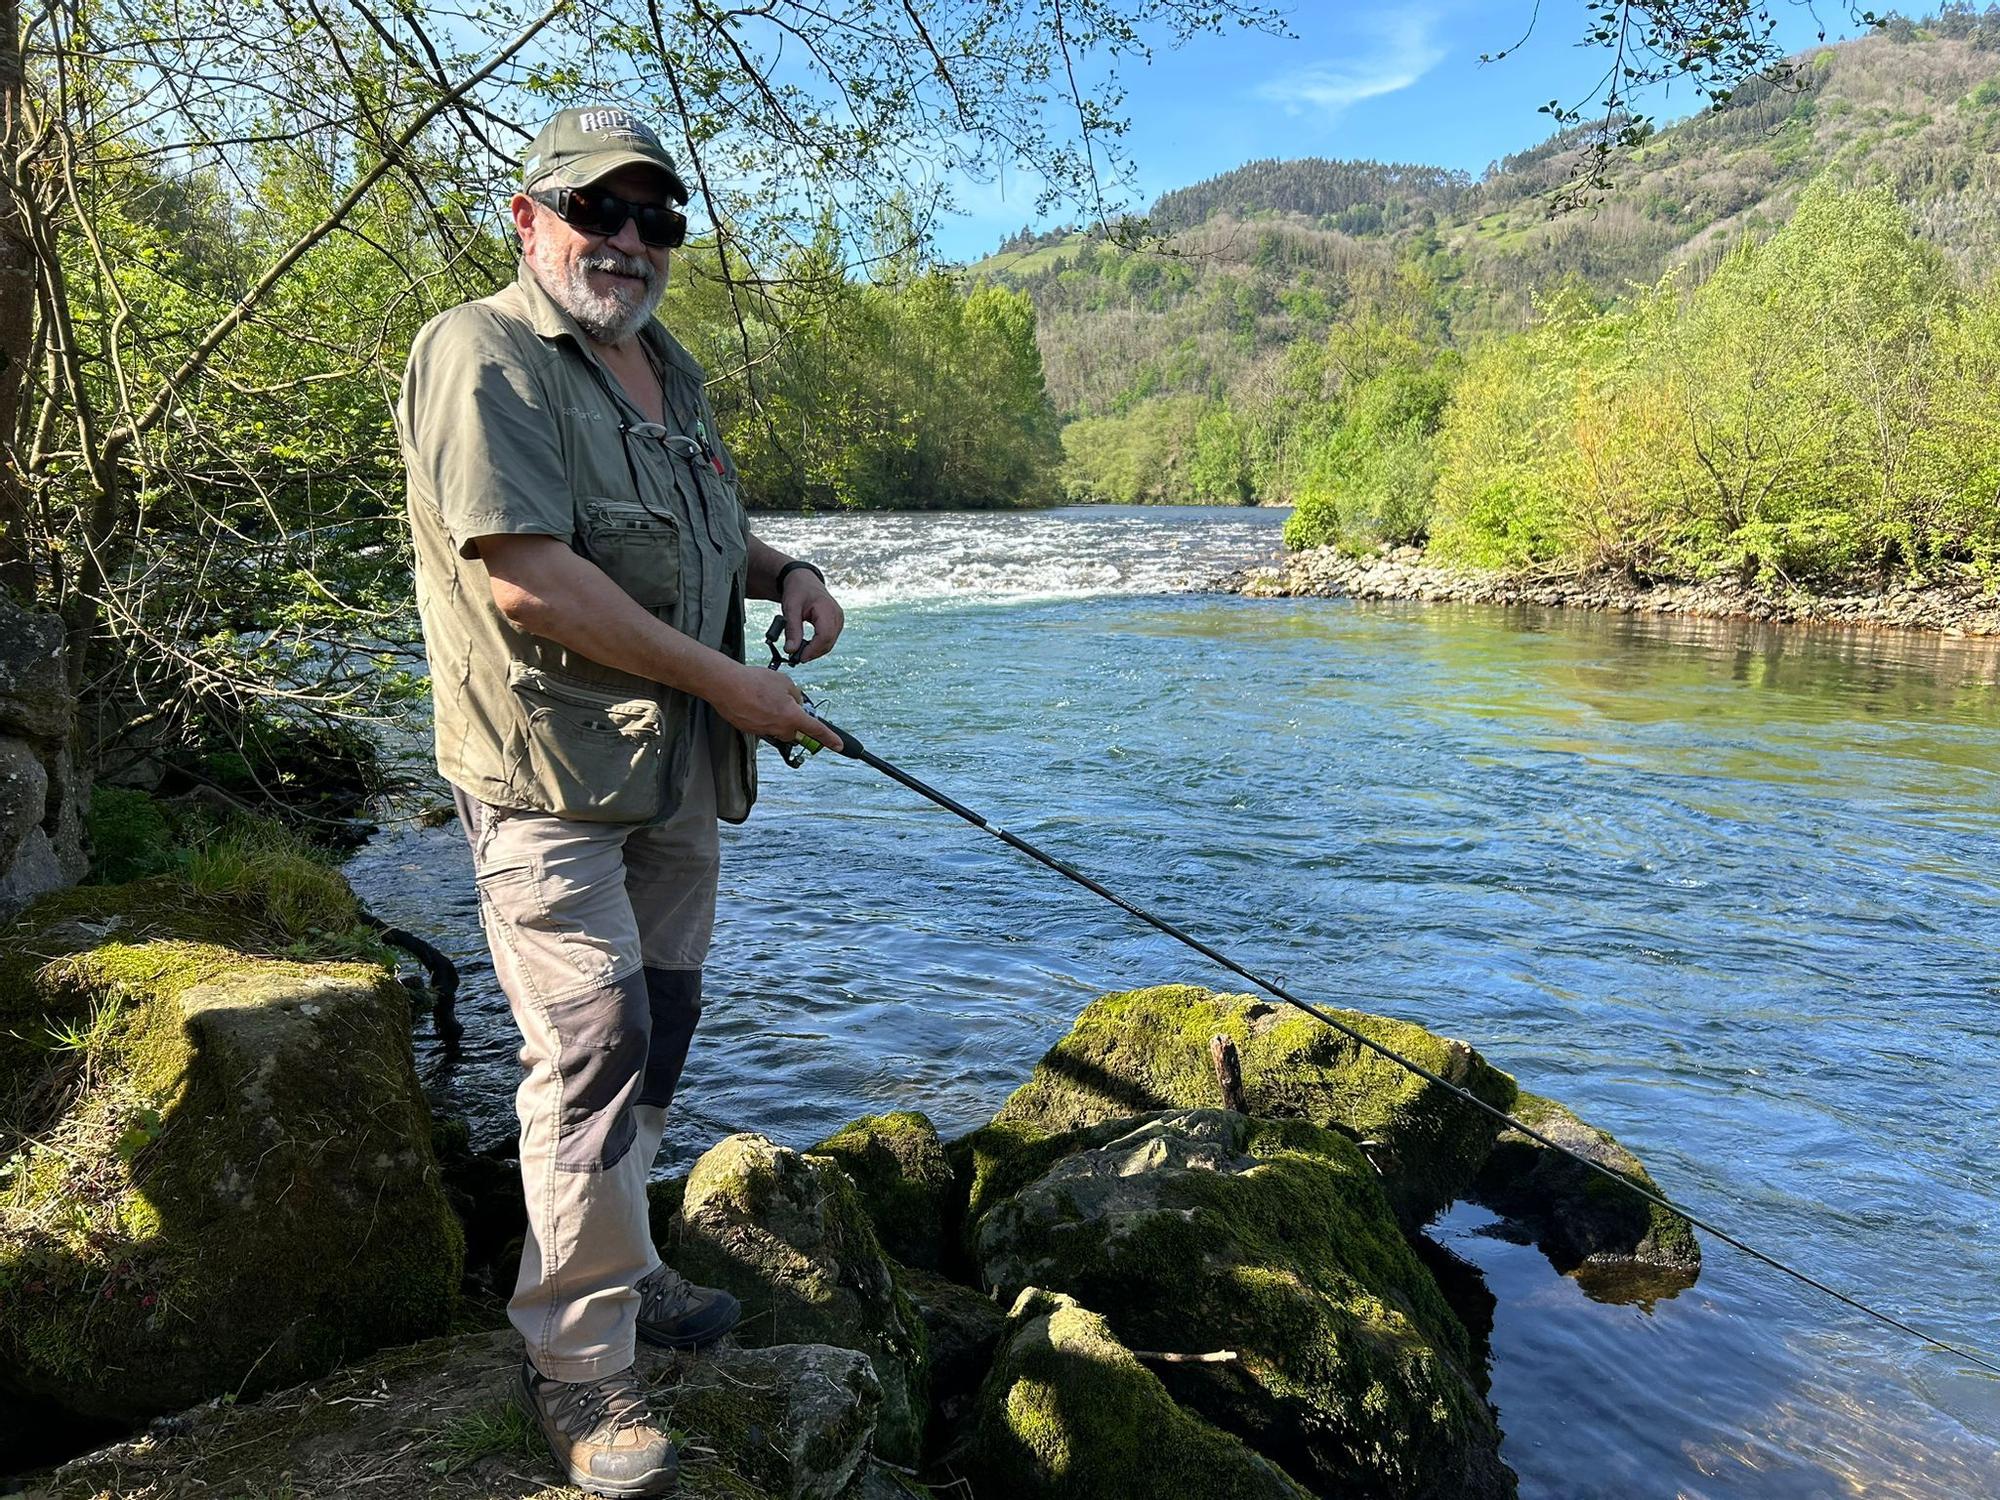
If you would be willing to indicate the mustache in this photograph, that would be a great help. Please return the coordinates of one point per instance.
(617, 264)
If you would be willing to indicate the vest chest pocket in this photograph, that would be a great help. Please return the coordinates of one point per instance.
(594, 754)
(639, 548)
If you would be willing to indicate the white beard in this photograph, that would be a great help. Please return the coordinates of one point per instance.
(607, 317)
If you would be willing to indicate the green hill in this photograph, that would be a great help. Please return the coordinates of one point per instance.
(1273, 255)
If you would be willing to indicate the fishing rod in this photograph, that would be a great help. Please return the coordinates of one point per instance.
(852, 748)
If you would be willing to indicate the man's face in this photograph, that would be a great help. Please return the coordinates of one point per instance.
(609, 283)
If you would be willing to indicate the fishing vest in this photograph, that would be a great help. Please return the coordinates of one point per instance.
(509, 423)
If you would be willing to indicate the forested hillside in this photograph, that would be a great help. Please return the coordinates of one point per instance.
(1305, 317)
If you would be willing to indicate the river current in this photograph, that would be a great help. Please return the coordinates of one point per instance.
(1728, 891)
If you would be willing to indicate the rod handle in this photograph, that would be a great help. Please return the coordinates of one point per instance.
(850, 745)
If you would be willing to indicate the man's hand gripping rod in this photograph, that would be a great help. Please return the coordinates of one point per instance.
(792, 753)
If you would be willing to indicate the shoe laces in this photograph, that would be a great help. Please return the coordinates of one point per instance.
(664, 1293)
(610, 1403)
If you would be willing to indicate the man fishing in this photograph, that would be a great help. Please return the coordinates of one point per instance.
(582, 563)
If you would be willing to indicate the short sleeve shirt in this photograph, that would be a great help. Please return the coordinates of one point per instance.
(510, 425)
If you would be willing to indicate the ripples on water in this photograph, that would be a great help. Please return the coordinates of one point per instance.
(1727, 890)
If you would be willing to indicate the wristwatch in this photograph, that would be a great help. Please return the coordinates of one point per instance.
(795, 563)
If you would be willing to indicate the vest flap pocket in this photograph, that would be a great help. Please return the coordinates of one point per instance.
(639, 546)
(594, 754)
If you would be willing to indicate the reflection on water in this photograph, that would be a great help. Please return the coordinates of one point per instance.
(1726, 890)
(1743, 1414)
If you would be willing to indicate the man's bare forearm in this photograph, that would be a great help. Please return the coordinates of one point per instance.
(548, 590)
(544, 588)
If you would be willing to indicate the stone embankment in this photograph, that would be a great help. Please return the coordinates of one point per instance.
(1959, 607)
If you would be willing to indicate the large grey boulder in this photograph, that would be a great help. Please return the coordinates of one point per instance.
(41, 793)
(24, 791)
(224, 1180)
(1205, 1231)
(787, 1234)
(33, 867)
(35, 700)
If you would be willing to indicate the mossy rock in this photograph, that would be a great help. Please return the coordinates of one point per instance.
(1068, 1414)
(787, 1234)
(1204, 1230)
(438, 1420)
(899, 1166)
(218, 1165)
(1148, 1049)
(1619, 1246)
(996, 1161)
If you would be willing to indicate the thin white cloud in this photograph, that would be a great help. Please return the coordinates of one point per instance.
(1397, 52)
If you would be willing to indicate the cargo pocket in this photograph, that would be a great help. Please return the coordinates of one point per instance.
(594, 754)
(638, 547)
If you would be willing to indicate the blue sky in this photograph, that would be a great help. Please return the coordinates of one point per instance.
(1394, 82)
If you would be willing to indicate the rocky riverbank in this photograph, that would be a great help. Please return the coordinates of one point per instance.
(1955, 607)
(1148, 1275)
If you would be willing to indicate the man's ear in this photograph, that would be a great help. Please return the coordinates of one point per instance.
(521, 211)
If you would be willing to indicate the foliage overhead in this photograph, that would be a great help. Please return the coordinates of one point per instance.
(221, 222)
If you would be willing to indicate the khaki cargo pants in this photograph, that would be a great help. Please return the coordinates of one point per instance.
(598, 933)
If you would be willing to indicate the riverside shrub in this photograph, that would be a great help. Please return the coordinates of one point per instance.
(1822, 406)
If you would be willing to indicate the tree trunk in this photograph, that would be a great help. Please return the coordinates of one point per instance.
(17, 314)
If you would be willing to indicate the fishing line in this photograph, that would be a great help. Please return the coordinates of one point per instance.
(853, 749)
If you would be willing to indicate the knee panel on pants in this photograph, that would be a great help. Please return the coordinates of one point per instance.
(602, 1063)
(674, 997)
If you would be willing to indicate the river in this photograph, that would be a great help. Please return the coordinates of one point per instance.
(1727, 891)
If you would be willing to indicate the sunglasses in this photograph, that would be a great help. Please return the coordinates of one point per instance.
(595, 211)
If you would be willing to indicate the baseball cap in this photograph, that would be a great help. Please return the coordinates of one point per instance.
(578, 146)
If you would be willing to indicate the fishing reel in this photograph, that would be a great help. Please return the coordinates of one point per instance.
(793, 753)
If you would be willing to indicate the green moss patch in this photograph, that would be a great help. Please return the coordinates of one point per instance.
(1149, 1049)
(1069, 1414)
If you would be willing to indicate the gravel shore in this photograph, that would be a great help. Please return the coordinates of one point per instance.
(1957, 608)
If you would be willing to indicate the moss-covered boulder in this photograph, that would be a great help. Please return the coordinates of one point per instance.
(439, 1420)
(1069, 1414)
(787, 1234)
(1618, 1245)
(1149, 1049)
(1205, 1231)
(216, 1171)
(899, 1166)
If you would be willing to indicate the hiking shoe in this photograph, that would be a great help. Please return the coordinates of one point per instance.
(600, 1432)
(674, 1313)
